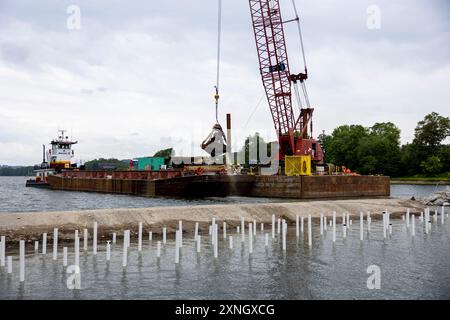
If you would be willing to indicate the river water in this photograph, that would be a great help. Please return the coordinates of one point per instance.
(14, 197)
(410, 267)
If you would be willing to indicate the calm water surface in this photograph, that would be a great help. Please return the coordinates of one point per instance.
(411, 268)
(14, 197)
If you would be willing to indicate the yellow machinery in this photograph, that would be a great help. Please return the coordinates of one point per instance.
(297, 166)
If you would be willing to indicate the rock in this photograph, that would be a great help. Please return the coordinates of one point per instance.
(439, 198)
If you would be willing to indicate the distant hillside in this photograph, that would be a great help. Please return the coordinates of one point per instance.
(106, 164)
(17, 171)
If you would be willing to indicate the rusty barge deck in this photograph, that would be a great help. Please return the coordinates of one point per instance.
(173, 184)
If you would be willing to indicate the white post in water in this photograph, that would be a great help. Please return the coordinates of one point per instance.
(279, 226)
(2, 251)
(266, 240)
(65, 257)
(196, 231)
(284, 236)
(125, 250)
(413, 226)
(114, 240)
(36, 246)
(55, 244)
(273, 226)
(77, 251)
(334, 226)
(297, 226)
(302, 224)
(108, 250)
(9, 264)
(198, 243)
(180, 237)
(177, 246)
(231, 242)
(85, 240)
(321, 224)
(250, 239)
(262, 227)
(150, 236)
(407, 218)
(384, 225)
(216, 240)
(421, 217)
(164, 235)
(325, 223)
(388, 218)
(435, 216)
(309, 230)
(140, 237)
(94, 244)
(44, 243)
(210, 230)
(224, 227)
(238, 229)
(361, 226)
(390, 229)
(242, 229)
(344, 230)
(254, 227)
(158, 249)
(22, 260)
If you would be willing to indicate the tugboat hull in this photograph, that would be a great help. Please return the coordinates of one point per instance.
(34, 184)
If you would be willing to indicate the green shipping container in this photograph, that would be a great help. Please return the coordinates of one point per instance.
(150, 163)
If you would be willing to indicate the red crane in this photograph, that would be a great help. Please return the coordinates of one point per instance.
(294, 133)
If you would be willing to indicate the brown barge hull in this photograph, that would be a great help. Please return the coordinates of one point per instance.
(314, 187)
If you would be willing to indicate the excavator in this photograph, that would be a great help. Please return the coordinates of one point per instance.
(295, 133)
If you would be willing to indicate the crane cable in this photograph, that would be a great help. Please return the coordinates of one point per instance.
(219, 35)
(297, 18)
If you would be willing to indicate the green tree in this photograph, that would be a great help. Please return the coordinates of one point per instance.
(165, 153)
(255, 143)
(341, 147)
(374, 150)
(431, 131)
(428, 138)
(431, 166)
(379, 151)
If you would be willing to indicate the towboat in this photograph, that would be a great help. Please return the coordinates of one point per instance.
(58, 158)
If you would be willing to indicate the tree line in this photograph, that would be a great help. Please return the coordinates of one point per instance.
(377, 149)
(17, 171)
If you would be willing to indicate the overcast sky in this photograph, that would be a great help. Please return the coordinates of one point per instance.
(139, 75)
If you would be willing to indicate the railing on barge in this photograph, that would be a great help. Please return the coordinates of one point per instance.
(122, 175)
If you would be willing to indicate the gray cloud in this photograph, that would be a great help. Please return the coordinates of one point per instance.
(148, 67)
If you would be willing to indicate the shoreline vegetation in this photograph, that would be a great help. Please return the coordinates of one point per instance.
(443, 179)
